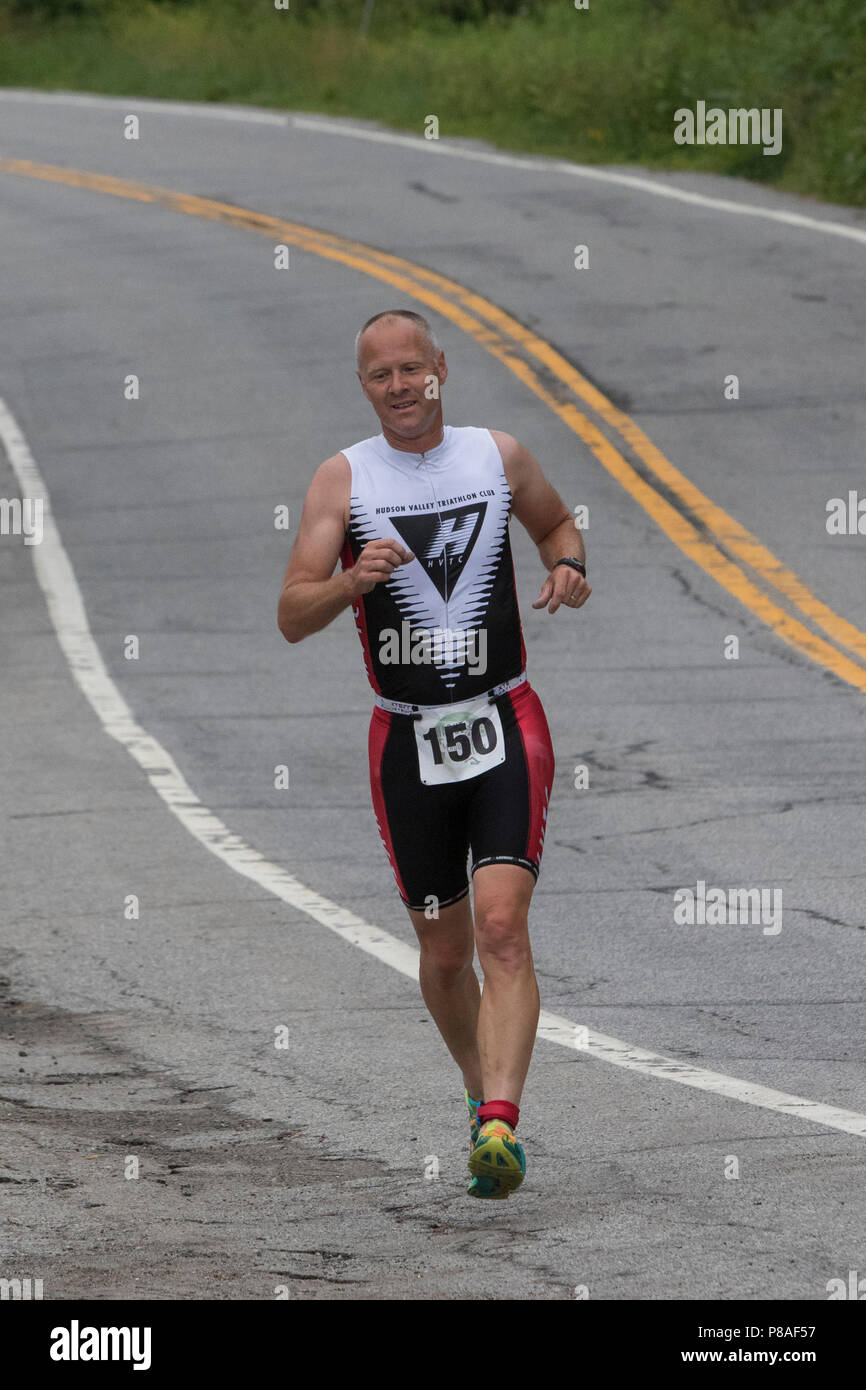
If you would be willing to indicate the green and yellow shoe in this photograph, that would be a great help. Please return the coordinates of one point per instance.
(497, 1162)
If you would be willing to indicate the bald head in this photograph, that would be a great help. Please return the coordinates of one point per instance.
(423, 332)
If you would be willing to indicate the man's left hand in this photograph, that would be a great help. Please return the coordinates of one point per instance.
(563, 585)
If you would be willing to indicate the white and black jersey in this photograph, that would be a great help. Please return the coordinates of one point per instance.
(446, 626)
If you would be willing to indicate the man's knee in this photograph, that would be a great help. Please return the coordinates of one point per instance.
(446, 960)
(447, 945)
(502, 934)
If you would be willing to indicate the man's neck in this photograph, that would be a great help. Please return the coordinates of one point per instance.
(422, 444)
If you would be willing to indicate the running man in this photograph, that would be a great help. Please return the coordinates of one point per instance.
(460, 756)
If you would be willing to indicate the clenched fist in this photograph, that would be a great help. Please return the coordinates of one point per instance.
(377, 561)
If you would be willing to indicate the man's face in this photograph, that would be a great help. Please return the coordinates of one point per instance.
(399, 374)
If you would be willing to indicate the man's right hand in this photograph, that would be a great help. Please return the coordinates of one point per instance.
(377, 561)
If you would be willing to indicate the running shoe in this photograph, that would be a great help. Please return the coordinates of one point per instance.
(497, 1162)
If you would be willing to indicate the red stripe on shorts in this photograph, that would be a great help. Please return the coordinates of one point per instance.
(540, 764)
(380, 727)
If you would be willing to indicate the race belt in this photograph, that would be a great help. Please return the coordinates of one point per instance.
(402, 707)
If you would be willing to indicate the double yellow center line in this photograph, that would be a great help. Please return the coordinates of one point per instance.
(697, 526)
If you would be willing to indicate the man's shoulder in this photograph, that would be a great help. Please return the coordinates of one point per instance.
(334, 468)
(360, 447)
(329, 487)
(479, 435)
(506, 443)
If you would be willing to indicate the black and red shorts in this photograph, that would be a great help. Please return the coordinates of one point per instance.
(496, 817)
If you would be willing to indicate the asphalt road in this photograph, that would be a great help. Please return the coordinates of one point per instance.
(304, 1167)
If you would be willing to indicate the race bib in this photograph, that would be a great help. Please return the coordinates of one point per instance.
(456, 742)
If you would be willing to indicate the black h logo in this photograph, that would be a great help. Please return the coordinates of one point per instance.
(443, 541)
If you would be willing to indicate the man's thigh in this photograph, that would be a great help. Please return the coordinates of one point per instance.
(448, 938)
(424, 829)
(502, 894)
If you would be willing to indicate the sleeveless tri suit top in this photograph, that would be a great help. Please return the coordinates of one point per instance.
(446, 625)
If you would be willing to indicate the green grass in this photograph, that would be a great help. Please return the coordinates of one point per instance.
(595, 86)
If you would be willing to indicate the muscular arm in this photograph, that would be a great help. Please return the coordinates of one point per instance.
(540, 509)
(312, 594)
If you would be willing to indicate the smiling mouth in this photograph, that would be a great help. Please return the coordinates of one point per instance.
(403, 405)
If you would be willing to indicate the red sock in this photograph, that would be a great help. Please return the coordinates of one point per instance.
(499, 1110)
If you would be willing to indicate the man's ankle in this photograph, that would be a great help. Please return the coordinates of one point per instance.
(503, 1110)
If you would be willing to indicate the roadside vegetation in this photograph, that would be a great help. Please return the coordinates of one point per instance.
(594, 85)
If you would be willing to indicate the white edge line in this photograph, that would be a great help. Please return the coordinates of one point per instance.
(65, 603)
(586, 171)
(135, 104)
(538, 163)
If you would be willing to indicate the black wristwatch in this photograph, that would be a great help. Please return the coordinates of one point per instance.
(572, 564)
